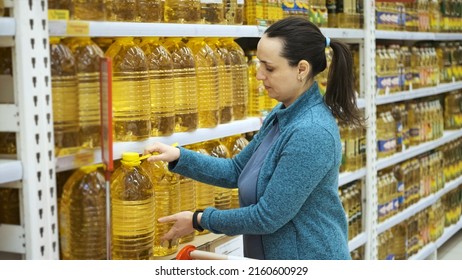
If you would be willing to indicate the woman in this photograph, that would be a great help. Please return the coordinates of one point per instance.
(288, 174)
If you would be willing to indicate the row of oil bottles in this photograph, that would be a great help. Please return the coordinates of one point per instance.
(141, 192)
(159, 87)
(419, 15)
(406, 124)
(406, 183)
(407, 238)
(403, 68)
(336, 13)
(350, 196)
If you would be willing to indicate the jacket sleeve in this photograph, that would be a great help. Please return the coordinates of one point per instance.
(211, 170)
(303, 161)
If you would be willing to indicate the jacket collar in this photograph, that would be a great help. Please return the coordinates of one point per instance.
(301, 105)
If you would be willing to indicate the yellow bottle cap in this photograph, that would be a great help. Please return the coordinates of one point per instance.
(130, 159)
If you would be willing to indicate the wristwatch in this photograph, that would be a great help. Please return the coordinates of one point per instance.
(195, 223)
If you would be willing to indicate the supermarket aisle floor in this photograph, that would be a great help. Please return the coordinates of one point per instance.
(452, 249)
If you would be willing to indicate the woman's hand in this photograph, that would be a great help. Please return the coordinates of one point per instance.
(183, 225)
(162, 152)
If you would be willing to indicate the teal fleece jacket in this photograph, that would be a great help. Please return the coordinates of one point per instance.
(299, 213)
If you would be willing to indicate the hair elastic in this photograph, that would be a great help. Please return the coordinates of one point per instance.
(327, 41)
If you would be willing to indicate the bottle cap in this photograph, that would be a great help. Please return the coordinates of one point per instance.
(130, 159)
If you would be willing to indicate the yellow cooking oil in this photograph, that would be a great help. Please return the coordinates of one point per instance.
(238, 12)
(131, 97)
(150, 10)
(257, 90)
(205, 194)
(133, 210)
(235, 144)
(9, 206)
(121, 10)
(207, 82)
(225, 80)
(87, 10)
(82, 215)
(187, 202)
(185, 84)
(160, 64)
(2, 9)
(240, 80)
(65, 98)
(222, 195)
(212, 11)
(182, 11)
(166, 186)
(87, 55)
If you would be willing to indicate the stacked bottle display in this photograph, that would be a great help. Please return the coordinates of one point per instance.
(453, 110)
(403, 125)
(452, 159)
(407, 238)
(350, 195)
(82, 215)
(419, 15)
(155, 87)
(353, 147)
(406, 183)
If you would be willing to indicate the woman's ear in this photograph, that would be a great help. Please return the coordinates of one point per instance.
(304, 69)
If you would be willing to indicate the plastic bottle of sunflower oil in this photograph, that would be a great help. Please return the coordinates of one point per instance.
(205, 194)
(9, 206)
(131, 98)
(87, 55)
(166, 188)
(65, 98)
(82, 215)
(256, 88)
(150, 10)
(212, 11)
(230, 10)
(207, 82)
(160, 65)
(239, 13)
(225, 80)
(185, 82)
(235, 145)
(240, 79)
(121, 10)
(133, 210)
(222, 195)
(182, 11)
(87, 10)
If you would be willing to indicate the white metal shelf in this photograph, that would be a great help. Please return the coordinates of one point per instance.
(416, 36)
(7, 26)
(417, 150)
(10, 171)
(12, 240)
(9, 112)
(86, 157)
(417, 93)
(425, 252)
(418, 206)
(357, 241)
(115, 29)
(347, 177)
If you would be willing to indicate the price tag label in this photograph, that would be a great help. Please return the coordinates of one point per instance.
(58, 14)
(78, 28)
(84, 158)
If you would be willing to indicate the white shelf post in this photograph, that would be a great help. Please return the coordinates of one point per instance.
(32, 86)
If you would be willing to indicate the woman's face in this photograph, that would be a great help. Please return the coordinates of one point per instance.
(279, 78)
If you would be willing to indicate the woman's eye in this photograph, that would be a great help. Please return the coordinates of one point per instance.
(269, 69)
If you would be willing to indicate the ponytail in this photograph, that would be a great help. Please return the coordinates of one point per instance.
(340, 94)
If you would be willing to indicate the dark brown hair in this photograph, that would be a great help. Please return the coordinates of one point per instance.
(302, 40)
